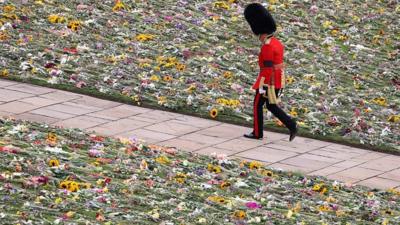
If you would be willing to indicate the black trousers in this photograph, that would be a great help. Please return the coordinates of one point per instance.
(258, 125)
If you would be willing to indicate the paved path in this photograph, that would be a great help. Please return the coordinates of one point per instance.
(313, 157)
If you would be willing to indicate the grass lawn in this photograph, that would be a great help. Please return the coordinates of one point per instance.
(195, 56)
(59, 176)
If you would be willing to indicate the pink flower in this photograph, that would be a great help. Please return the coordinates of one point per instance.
(94, 153)
(253, 205)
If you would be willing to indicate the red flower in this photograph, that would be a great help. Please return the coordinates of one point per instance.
(71, 50)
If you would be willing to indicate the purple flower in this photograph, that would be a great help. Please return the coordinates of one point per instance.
(253, 205)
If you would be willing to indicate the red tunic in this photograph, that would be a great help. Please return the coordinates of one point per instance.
(270, 60)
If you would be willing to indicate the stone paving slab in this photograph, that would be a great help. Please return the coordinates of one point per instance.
(147, 135)
(386, 163)
(71, 109)
(288, 167)
(239, 144)
(392, 175)
(51, 113)
(36, 118)
(119, 126)
(9, 95)
(5, 83)
(171, 127)
(17, 107)
(183, 144)
(26, 88)
(212, 150)
(41, 102)
(203, 136)
(267, 154)
(359, 173)
(225, 131)
(380, 183)
(197, 137)
(309, 161)
(62, 96)
(81, 122)
(95, 102)
(119, 112)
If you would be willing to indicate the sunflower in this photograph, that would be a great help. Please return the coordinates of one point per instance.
(214, 169)
(8, 8)
(54, 163)
(213, 113)
(4, 73)
(118, 6)
(255, 165)
(167, 78)
(240, 214)
(74, 25)
(225, 185)
(73, 187)
(64, 184)
(180, 67)
(227, 74)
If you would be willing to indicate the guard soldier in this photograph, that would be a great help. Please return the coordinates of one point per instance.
(270, 80)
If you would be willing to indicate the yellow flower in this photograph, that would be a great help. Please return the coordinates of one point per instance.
(162, 100)
(58, 201)
(266, 173)
(217, 199)
(3, 36)
(74, 25)
(388, 212)
(163, 160)
(180, 67)
(64, 184)
(317, 187)
(386, 221)
(155, 78)
(334, 32)
(85, 185)
(214, 169)
(144, 37)
(4, 73)
(70, 214)
(340, 213)
(380, 101)
(394, 118)
(213, 113)
(293, 112)
(324, 208)
(289, 214)
(73, 187)
(56, 19)
(255, 165)
(326, 24)
(180, 178)
(54, 163)
(227, 74)
(8, 8)
(289, 80)
(225, 185)
(221, 5)
(240, 214)
(331, 199)
(51, 138)
(168, 78)
(118, 6)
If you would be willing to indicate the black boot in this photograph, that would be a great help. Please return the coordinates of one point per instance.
(251, 136)
(293, 133)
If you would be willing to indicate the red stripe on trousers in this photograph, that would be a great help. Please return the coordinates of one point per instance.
(256, 115)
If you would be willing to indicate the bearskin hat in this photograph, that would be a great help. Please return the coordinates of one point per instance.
(259, 19)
